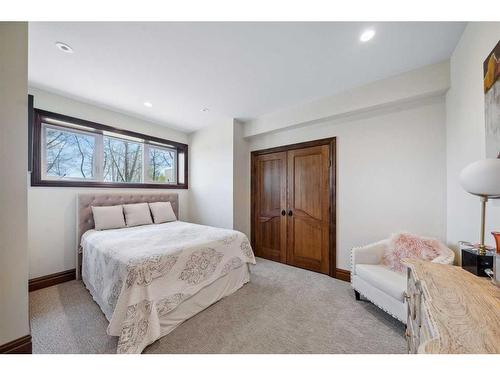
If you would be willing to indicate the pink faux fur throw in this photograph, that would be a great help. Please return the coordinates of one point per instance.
(407, 245)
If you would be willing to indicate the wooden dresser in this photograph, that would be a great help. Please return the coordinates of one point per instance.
(451, 310)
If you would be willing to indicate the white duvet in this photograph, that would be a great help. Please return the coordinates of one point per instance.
(138, 275)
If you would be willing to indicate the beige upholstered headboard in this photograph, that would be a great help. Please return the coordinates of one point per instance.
(85, 219)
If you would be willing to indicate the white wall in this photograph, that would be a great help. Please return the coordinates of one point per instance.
(241, 180)
(13, 171)
(219, 164)
(466, 132)
(52, 210)
(391, 171)
(211, 175)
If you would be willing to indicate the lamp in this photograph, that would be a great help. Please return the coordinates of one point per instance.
(482, 178)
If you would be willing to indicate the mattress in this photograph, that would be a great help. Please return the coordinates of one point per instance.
(139, 276)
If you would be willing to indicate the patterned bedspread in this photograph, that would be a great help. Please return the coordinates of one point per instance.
(138, 274)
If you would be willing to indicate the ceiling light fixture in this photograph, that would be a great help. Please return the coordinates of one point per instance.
(367, 35)
(64, 47)
(148, 104)
(205, 110)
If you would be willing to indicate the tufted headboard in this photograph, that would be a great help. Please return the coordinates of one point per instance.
(84, 203)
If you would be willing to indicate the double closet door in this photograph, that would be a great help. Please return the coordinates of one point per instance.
(292, 199)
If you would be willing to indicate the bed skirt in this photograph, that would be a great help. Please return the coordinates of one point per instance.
(207, 296)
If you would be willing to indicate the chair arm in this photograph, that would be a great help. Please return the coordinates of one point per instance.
(369, 254)
(447, 257)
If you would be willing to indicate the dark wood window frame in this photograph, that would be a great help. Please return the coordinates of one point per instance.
(47, 117)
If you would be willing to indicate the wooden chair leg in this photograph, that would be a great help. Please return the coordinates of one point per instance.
(356, 294)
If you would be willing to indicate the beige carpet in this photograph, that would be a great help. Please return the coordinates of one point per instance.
(282, 310)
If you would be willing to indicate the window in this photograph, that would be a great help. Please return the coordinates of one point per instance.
(161, 163)
(68, 154)
(122, 160)
(74, 152)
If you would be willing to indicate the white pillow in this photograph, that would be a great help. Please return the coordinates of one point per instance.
(162, 212)
(108, 217)
(137, 214)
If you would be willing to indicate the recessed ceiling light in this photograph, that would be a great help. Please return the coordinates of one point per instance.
(148, 104)
(367, 35)
(64, 47)
(205, 110)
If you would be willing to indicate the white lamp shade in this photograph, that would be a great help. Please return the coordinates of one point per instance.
(482, 178)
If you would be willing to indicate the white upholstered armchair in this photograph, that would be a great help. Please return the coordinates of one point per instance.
(378, 283)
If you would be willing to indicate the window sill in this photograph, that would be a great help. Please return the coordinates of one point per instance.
(89, 184)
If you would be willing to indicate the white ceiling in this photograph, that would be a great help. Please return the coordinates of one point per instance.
(237, 70)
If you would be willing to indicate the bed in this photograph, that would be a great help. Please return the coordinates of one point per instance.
(149, 279)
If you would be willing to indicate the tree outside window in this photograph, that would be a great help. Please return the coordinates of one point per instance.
(161, 165)
(122, 160)
(69, 154)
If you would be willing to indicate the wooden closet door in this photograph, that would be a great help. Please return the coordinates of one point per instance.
(270, 203)
(308, 213)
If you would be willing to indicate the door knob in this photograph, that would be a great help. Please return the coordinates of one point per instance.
(290, 213)
(283, 212)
